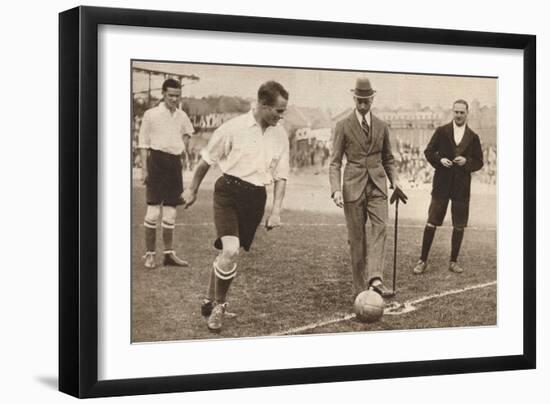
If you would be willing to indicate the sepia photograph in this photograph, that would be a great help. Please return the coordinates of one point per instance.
(276, 201)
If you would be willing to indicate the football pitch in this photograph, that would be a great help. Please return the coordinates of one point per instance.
(297, 280)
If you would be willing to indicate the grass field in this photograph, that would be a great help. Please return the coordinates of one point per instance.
(296, 279)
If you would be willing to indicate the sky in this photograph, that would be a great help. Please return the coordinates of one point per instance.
(325, 88)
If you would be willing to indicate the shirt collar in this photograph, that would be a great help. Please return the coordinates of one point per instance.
(360, 117)
(250, 120)
(458, 128)
(163, 106)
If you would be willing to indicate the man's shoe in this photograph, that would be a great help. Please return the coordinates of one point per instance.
(420, 267)
(149, 260)
(171, 259)
(382, 290)
(206, 307)
(215, 321)
(454, 267)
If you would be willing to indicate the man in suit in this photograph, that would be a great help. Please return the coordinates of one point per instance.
(455, 152)
(365, 142)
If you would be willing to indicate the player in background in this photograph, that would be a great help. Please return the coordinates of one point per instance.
(163, 133)
(455, 152)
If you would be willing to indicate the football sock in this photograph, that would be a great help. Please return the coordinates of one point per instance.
(456, 241)
(167, 237)
(150, 239)
(427, 239)
(222, 287)
(211, 291)
(224, 274)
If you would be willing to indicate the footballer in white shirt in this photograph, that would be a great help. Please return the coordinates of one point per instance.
(161, 143)
(252, 151)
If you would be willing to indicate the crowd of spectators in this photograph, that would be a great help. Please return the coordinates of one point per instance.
(312, 156)
(412, 166)
(309, 155)
(415, 170)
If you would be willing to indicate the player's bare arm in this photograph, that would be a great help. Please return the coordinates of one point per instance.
(190, 194)
(274, 219)
(144, 172)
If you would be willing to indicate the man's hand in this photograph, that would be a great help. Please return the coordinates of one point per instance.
(338, 199)
(189, 197)
(274, 220)
(446, 162)
(398, 194)
(459, 161)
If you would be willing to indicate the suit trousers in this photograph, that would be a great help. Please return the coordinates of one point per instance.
(367, 251)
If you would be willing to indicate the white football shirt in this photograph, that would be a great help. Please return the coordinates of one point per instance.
(241, 149)
(163, 130)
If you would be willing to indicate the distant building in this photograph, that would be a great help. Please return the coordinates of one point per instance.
(416, 125)
(207, 114)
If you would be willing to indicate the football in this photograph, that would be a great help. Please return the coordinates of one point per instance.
(368, 306)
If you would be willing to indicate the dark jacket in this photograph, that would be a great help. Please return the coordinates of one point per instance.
(453, 182)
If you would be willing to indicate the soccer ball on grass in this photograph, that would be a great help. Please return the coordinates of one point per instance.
(368, 306)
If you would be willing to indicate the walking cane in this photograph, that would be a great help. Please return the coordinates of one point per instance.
(397, 196)
(395, 246)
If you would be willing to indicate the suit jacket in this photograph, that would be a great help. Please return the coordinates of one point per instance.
(453, 182)
(365, 158)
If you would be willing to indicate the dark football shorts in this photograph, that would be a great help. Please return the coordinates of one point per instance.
(164, 179)
(459, 212)
(238, 209)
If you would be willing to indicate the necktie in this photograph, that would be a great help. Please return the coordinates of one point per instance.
(365, 126)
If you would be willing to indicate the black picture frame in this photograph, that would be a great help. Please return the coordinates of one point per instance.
(78, 196)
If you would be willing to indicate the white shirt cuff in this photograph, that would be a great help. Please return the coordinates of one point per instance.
(206, 157)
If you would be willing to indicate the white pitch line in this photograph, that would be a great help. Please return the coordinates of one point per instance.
(407, 304)
(452, 292)
(313, 325)
(409, 226)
